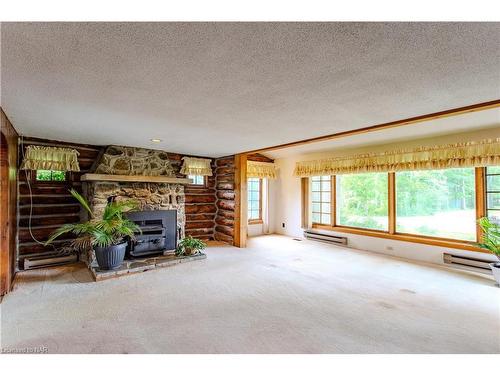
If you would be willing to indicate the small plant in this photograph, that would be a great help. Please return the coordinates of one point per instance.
(491, 236)
(111, 229)
(190, 246)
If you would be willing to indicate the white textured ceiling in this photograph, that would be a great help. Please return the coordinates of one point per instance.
(487, 120)
(221, 88)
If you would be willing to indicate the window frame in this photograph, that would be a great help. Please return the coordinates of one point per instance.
(259, 219)
(332, 194)
(391, 233)
(487, 191)
(34, 180)
(198, 185)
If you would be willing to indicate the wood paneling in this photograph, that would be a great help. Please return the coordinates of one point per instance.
(52, 203)
(8, 203)
(224, 230)
(241, 203)
(200, 208)
(304, 193)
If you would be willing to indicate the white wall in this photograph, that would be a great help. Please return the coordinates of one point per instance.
(287, 206)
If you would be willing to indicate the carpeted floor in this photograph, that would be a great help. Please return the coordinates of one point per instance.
(277, 296)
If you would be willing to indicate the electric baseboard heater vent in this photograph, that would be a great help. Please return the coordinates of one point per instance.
(468, 263)
(49, 261)
(312, 235)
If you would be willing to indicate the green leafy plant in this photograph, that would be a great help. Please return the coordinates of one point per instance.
(111, 229)
(491, 236)
(189, 246)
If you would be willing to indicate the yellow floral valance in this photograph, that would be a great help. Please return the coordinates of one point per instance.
(471, 154)
(51, 158)
(256, 169)
(196, 166)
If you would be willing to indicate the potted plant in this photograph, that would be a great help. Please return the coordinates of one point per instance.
(190, 246)
(491, 242)
(106, 235)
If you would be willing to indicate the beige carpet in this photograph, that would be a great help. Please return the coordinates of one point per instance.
(277, 296)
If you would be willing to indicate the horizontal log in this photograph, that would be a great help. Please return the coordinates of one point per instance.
(226, 178)
(46, 199)
(200, 208)
(223, 237)
(200, 198)
(200, 217)
(199, 232)
(225, 186)
(225, 161)
(226, 204)
(46, 189)
(205, 237)
(260, 158)
(34, 248)
(199, 224)
(225, 221)
(198, 191)
(224, 229)
(80, 147)
(50, 210)
(224, 213)
(41, 234)
(224, 171)
(225, 194)
(49, 220)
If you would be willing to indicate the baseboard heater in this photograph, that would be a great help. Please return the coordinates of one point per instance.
(312, 235)
(468, 263)
(48, 261)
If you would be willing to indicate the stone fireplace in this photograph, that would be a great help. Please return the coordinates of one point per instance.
(150, 196)
(147, 176)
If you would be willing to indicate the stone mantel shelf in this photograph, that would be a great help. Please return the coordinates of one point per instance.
(93, 177)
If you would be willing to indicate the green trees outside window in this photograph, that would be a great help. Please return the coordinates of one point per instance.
(437, 203)
(362, 200)
(45, 175)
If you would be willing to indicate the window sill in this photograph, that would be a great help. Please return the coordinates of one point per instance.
(455, 244)
(255, 222)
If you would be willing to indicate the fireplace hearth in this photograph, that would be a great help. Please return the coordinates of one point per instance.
(158, 235)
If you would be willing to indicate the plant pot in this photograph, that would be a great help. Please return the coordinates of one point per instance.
(495, 268)
(189, 252)
(110, 257)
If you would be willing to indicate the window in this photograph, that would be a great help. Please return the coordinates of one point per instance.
(254, 199)
(493, 193)
(44, 175)
(362, 200)
(437, 203)
(321, 199)
(197, 180)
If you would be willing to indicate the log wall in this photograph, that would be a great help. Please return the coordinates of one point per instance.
(8, 203)
(52, 203)
(224, 220)
(54, 206)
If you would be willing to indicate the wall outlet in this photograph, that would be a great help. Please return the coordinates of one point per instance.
(283, 225)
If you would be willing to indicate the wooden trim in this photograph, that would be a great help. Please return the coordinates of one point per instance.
(255, 222)
(240, 201)
(392, 202)
(259, 219)
(393, 124)
(480, 173)
(304, 194)
(119, 177)
(333, 199)
(454, 244)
